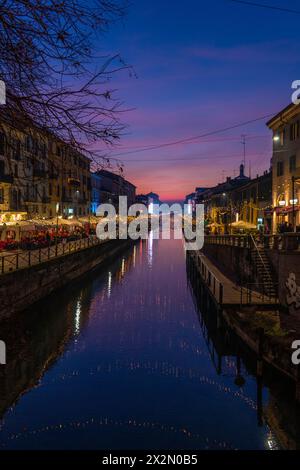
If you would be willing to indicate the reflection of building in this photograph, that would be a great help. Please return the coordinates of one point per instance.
(285, 164)
(112, 186)
(34, 346)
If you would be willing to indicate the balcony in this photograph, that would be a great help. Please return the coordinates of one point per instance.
(6, 178)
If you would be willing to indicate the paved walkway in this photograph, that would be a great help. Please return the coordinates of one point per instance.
(232, 294)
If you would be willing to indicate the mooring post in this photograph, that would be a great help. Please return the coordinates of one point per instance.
(259, 388)
(259, 367)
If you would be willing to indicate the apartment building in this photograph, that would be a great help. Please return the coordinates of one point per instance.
(69, 181)
(23, 170)
(40, 176)
(286, 166)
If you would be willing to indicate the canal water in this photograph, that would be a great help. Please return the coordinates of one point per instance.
(122, 360)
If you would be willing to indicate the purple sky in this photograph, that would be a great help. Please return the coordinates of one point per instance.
(200, 66)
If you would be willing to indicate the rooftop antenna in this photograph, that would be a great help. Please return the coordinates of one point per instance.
(243, 142)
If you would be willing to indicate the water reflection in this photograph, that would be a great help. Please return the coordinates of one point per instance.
(124, 359)
(279, 412)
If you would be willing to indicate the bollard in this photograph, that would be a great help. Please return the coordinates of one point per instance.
(259, 364)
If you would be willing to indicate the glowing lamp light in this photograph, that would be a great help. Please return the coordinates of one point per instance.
(281, 203)
(293, 201)
(276, 138)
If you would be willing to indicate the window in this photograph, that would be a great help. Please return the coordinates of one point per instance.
(294, 131)
(1, 195)
(292, 163)
(28, 143)
(16, 151)
(2, 143)
(279, 168)
(50, 189)
(16, 171)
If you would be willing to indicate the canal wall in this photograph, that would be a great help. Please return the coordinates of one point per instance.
(233, 261)
(286, 264)
(20, 289)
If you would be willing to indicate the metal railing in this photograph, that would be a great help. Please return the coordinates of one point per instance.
(214, 285)
(232, 240)
(258, 253)
(25, 259)
(251, 292)
(281, 242)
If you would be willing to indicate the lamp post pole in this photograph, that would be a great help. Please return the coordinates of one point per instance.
(293, 202)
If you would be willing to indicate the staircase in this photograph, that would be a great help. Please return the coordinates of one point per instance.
(264, 271)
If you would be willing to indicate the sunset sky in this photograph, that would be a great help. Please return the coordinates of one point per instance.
(200, 66)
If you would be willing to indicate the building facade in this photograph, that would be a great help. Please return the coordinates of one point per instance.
(69, 181)
(23, 173)
(40, 176)
(286, 167)
(96, 192)
(112, 186)
(219, 204)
